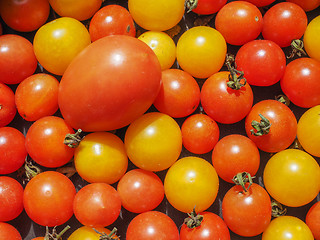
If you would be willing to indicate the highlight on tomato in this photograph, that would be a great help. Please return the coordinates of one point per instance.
(8, 106)
(313, 220)
(311, 39)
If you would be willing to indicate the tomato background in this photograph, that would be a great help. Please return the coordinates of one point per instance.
(29, 229)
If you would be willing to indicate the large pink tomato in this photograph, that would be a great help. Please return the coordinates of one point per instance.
(109, 84)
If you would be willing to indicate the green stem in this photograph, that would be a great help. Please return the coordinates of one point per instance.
(242, 179)
(112, 235)
(236, 77)
(297, 49)
(193, 220)
(73, 140)
(262, 127)
(277, 209)
(190, 5)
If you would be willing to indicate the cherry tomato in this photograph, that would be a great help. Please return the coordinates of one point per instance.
(37, 96)
(0, 29)
(152, 225)
(48, 198)
(179, 94)
(45, 142)
(87, 233)
(307, 5)
(260, 3)
(247, 213)
(153, 142)
(283, 23)
(140, 190)
(111, 20)
(190, 183)
(56, 43)
(289, 173)
(207, 7)
(222, 103)
(116, 84)
(17, 59)
(97, 205)
(278, 129)
(239, 22)
(8, 231)
(313, 220)
(201, 51)
(13, 150)
(311, 39)
(7, 105)
(101, 157)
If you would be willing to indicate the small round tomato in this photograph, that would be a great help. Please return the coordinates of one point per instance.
(311, 38)
(88, 233)
(7, 105)
(162, 45)
(290, 172)
(283, 23)
(313, 220)
(101, 157)
(179, 95)
(206, 7)
(307, 5)
(56, 43)
(190, 183)
(201, 51)
(37, 96)
(97, 205)
(8, 231)
(260, 3)
(239, 22)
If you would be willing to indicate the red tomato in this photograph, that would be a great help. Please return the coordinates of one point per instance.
(11, 198)
(140, 190)
(8, 231)
(7, 105)
(313, 220)
(247, 213)
(283, 23)
(206, 7)
(200, 133)
(118, 79)
(283, 125)
(111, 20)
(17, 59)
(152, 225)
(12, 147)
(44, 142)
(179, 94)
(260, 3)
(307, 5)
(222, 103)
(48, 198)
(37, 96)
(262, 61)
(239, 22)
(97, 205)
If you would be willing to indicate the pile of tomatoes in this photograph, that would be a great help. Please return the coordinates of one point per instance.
(141, 119)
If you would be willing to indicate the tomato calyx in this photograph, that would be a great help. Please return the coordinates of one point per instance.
(243, 178)
(283, 99)
(277, 210)
(54, 235)
(193, 220)
(29, 170)
(73, 140)
(297, 49)
(110, 236)
(190, 5)
(236, 77)
(262, 127)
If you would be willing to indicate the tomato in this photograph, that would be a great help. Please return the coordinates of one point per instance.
(290, 172)
(37, 96)
(281, 130)
(78, 9)
(247, 213)
(287, 227)
(235, 154)
(239, 22)
(97, 205)
(207, 7)
(152, 225)
(262, 61)
(297, 82)
(24, 16)
(48, 198)
(190, 183)
(308, 131)
(8, 231)
(283, 23)
(17, 59)
(11, 198)
(116, 84)
(140, 190)
(44, 142)
(153, 142)
(307, 5)
(0, 29)
(260, 3)
(7, 105)
(12, 147)
(101, 157)
(111, 20)
(158, 15)
(200, 133)
(201, 51)
(311, 39)
(222, 103)
(162, 45)
(87, 233)
(179, 94)
(313, 220)
(211, 227)
(57, 42)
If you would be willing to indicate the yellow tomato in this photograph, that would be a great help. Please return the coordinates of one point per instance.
(201, 51)
(101, 157)
(58, 42)
(87, 233)
(311, 38)
(162, 45)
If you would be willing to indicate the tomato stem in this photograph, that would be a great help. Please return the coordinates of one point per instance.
(283, 99)
(236, 77)
(30, 170)
(243, 178)
(297, 49)
(277, 209)
(73, 140)
(110, 236)
(262, 127)
(193, 220)
(190, 5)
(54, 235)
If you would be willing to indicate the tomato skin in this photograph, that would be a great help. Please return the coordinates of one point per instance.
(313, 220)
(260, 3)
(8, 231)
(207, 7)
(8, 107)
(290, 172)
(99, 75)
(307, 5)
(311, 39)
(48, 198)
(87, 233)
(247, 213)
(17, 59)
